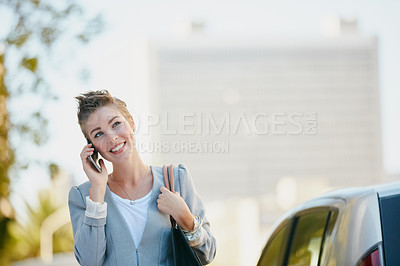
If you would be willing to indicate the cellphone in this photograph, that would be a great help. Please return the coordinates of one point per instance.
(94, 158)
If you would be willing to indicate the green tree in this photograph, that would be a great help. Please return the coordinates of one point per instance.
(6, 160)
(35, 29)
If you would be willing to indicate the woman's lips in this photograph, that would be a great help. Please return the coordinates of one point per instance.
(118, 148)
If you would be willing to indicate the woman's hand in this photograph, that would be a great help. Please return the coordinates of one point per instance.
(98, 181)
(173, 204)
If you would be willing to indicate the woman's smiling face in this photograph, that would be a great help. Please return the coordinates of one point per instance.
(111, 134)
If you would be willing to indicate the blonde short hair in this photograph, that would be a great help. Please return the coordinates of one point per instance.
(90, 101)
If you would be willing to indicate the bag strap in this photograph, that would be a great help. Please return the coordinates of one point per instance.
(168, 173)
(165, 174)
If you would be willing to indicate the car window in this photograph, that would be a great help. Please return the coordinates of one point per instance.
(275, 248)
(307, 238)
(328, 233)
(390, 217)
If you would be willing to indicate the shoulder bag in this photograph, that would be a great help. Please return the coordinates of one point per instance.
(183, 253)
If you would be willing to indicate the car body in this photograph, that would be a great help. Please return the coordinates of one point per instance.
(353, 226)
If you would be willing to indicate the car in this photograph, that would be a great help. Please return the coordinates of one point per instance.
(353, 226)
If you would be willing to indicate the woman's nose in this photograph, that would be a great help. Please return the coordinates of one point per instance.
(112, 136)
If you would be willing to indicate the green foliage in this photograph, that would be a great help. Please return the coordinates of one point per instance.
(19, 39)
(30, 64)
(54, 170)
(34, 28)
(6, 160)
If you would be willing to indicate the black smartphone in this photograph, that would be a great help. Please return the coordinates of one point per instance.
(94, 158)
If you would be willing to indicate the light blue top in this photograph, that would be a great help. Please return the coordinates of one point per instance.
(107, 241)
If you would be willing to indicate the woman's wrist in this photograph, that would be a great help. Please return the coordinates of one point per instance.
(197, 223)
(186, 221)
(97, 193)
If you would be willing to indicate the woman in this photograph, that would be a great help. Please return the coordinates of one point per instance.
(122, 218)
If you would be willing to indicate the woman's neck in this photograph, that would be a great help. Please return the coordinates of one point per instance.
(131, 171)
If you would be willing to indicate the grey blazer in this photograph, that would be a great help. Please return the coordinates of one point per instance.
(107, 241)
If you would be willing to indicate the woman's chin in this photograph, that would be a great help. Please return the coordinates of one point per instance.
(121, 158)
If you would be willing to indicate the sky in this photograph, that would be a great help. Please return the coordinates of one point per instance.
(108, 58)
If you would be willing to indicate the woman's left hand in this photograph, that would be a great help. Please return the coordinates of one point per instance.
(173, 204)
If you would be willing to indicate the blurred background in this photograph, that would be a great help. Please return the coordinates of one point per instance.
(268, 103)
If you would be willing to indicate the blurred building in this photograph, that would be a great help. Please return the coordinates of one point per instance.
(244, 113)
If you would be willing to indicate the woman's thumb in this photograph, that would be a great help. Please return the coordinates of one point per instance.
(102, 165)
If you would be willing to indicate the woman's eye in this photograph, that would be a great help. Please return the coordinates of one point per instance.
(116, 124)
(98, 134)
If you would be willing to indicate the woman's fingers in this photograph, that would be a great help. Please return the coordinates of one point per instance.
(103, 166)
(86, 152)
(98, 180)
(169, 202)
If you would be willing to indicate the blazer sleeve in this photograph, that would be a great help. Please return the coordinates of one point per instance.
(89, 233)
(206, 249)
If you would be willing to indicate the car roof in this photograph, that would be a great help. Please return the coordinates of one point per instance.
(389, 189)
(334, 197)
(383, 190)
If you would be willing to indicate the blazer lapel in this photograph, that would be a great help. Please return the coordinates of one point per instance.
(118, 231)
(153, 247)
(153, 214)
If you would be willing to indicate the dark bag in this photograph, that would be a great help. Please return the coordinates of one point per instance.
(183, 253)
